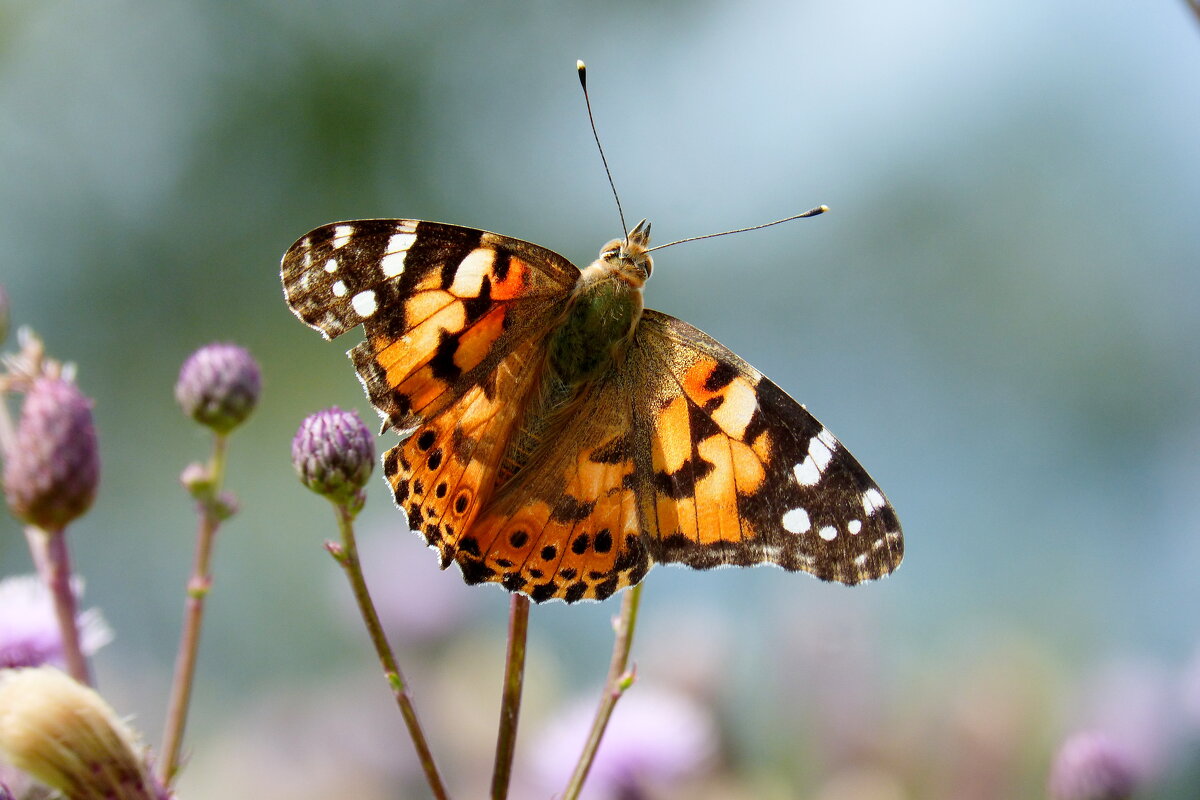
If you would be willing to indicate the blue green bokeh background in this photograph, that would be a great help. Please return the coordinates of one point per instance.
(998, 316)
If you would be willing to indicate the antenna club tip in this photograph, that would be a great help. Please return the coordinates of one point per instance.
(821, 209)
(579, 65)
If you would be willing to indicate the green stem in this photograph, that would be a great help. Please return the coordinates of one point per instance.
(347, 557)
(510, 703)
(619, 679)
(198, 587)
(53, 562)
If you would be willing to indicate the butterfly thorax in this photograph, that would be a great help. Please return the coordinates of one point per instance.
(603, 311)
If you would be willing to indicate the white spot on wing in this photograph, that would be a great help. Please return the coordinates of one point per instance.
(821, 447)
(854, 526)
(364, 303)
(806, 472)
(341, 235)
(331, 265)
(339, 289)
(820, 453)
(796, 521)
(872, 501)
(861, 560)
(468, 278)
(828, 533)
(393, 263)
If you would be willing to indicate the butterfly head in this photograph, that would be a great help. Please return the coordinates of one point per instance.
(628, 257)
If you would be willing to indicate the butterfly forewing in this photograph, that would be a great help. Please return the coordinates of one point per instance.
(441, 305)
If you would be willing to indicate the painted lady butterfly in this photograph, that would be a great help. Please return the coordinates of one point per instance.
(557, 437)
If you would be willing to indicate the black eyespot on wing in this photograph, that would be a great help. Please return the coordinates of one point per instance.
(603, 542)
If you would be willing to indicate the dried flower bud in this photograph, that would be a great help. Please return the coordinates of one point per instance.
(50, 476)
(1091, 766)
(333, 453)
(219, 386)
(66, 736)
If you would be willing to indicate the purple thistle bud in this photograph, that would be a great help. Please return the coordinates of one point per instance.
(218, 386)
(1091, 766)
(333, 453)
(51, 473)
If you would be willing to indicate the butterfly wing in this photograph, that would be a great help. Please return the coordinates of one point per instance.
(442, 305)
(568, 525)
(737, 472)
(455, 321)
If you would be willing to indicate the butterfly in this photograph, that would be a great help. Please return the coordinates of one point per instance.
(557, 437)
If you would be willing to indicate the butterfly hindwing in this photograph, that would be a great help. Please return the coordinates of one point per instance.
(568, 526)
(740, 473)
(446, 470)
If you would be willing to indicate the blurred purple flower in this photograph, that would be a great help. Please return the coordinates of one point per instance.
(51, 474)
(29, 633)
(333, 453)
(655, 738)
(1091, 766)
(1132, 701)
(218, 386)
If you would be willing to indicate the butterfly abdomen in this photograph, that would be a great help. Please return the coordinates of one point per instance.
(584, 346)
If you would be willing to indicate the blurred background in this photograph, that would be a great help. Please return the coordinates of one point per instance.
(998, 317)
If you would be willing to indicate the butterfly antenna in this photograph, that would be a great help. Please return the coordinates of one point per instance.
(812, 212)
(582, 68)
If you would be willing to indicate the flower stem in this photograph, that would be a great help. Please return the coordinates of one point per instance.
(510, 703)
(619, 679)
(53, 561)
(198, 587)
(347, 557)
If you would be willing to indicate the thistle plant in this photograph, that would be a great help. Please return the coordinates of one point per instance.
(51, 470)
(333, 454)
(218, 386)
(66, 736)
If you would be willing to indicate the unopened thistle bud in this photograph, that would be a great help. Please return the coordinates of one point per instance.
(66, 736)
(51, 473)
(1091, 766)
(333, 453)
(218, 386)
